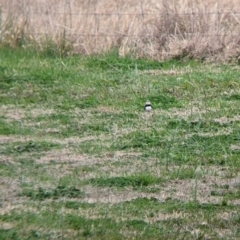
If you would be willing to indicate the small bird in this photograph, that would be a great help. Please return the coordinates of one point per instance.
(148, 106)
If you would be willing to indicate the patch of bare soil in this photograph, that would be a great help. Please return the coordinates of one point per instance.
(6, 160)
(184, 190)
(9, 189)
(225, 120)
(186, 113)
(107, 109)
(111, 195)
(73, 140)
(220, 132)
(68, 156)
(40, 112)
(12, 113)
(202, 188)
(15, 138)
(20, 138)
(178, 71)
(6, 226)
(61, 156)
(15, 114)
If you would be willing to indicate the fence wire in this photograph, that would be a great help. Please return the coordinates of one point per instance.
(94, 26)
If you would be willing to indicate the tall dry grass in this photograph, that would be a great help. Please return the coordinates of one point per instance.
(159, 29)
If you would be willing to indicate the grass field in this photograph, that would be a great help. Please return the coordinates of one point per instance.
(80, 159)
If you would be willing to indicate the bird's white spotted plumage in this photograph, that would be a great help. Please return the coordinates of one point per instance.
(148, 106)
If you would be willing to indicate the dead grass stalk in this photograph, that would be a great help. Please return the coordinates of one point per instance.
(157, 29)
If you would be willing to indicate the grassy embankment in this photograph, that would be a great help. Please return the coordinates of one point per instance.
(80, 159)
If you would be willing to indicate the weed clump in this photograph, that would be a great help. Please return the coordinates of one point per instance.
(58, 192)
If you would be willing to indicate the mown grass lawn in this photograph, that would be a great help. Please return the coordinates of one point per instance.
(80, 159)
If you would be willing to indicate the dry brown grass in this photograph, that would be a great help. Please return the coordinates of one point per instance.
(156, 29)
(182, 189)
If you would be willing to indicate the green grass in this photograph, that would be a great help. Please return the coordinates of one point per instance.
(59, 191)
(28, 147)
(134, 181)
(80, 159)
(8, 128)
